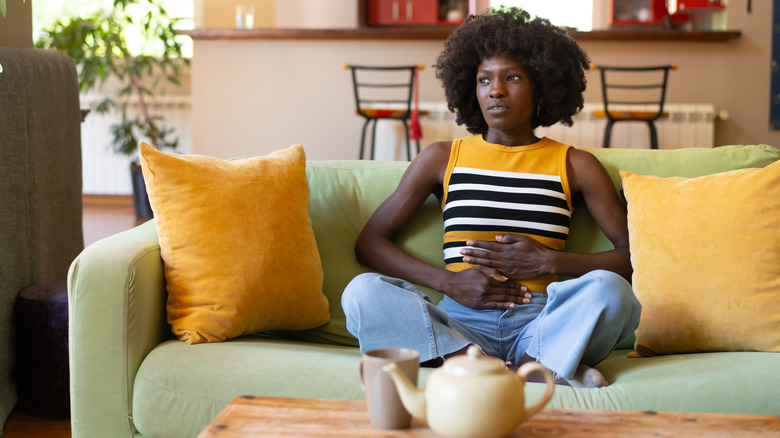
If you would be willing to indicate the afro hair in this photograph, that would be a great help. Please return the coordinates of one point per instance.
(554, 60)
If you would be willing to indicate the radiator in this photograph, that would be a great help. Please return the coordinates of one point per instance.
(688, 125)
(103, 171)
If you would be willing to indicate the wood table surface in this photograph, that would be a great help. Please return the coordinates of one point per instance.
(248, 416)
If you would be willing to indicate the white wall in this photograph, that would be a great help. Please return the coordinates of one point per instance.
(253, 97)
(313, 14)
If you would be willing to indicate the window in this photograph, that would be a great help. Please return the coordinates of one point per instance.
(569, 13)
(46, 12)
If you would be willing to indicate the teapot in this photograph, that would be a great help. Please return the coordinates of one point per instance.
(472, 395)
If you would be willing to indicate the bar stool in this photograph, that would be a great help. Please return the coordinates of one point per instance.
(387, 93)
(633, 94)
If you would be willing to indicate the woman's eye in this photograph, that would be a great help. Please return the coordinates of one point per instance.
(514, 78)
(483, 80)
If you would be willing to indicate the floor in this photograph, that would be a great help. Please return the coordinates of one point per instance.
(107, 215)
(103, 216)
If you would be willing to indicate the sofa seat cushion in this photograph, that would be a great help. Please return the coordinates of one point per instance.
(723, 382)
(170, 403)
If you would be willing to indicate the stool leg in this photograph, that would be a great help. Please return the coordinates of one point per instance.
(363, 139)
(406, 137)
(653, 135)
(608, 132)
(373, 139)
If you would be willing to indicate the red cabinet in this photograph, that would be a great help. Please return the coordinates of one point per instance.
(403, 12)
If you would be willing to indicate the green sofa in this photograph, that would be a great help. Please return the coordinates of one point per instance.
(130, 377)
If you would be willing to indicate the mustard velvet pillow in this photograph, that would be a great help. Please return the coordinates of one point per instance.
(237, 243)
(706, 259)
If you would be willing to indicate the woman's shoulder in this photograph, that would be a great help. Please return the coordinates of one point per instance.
(437, 151)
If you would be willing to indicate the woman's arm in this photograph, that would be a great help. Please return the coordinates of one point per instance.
(375, 246)
(588, 177)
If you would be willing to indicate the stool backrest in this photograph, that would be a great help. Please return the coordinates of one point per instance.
(641, 89)
(383, 92)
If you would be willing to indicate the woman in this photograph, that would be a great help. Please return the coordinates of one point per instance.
(507, 198)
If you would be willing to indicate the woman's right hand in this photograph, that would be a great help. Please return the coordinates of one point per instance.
(482, 288)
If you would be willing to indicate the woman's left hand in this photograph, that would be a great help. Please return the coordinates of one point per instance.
(516, 256)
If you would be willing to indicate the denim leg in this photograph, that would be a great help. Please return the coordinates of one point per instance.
(583, 321)
(385, 312)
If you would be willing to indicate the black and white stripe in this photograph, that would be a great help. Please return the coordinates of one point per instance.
(489, 200)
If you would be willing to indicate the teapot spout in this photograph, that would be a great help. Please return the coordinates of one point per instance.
(412, 398)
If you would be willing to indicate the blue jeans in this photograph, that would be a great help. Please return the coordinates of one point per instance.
(578, 321)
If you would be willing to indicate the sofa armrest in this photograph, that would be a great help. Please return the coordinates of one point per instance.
(116, 293)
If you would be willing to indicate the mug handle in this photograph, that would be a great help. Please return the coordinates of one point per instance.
(536, 367)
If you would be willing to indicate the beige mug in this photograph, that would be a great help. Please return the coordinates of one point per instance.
(385, 409)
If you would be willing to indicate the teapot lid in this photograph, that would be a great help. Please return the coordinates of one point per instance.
(473, 363)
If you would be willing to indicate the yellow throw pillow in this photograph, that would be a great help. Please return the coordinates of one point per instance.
(706, 259)
(237, 243)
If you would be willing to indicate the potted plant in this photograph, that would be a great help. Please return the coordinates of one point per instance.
(133, 44)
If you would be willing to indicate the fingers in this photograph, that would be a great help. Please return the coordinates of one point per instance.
(507, 238)
(495, 274)
(506, 302)
(479, 257)
(484, 244)
(507, 296)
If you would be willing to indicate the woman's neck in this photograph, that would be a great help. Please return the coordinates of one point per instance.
(510, 139)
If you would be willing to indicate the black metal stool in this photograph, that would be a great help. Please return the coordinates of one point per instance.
(629, 88)
(387, 93)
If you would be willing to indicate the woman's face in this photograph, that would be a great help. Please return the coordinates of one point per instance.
(505, 92)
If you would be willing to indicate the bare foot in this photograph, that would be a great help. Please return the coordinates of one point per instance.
(587, 377)
(584, 377)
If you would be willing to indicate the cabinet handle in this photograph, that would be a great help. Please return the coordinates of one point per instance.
(396, 12)
(409, 11)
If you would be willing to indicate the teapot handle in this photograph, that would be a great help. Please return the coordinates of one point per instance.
(536, 367)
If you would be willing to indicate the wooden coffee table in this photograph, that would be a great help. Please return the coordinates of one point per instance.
(248, 416)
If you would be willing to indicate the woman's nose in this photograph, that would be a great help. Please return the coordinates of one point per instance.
(496, 89)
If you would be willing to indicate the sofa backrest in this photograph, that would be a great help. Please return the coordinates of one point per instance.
(344, 194)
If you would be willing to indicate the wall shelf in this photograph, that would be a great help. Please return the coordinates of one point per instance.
(441, 32)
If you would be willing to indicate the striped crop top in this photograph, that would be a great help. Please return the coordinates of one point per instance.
(491, 189)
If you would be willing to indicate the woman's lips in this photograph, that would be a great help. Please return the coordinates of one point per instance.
(497, 108)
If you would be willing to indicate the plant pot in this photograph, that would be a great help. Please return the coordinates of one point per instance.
(143, 210)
